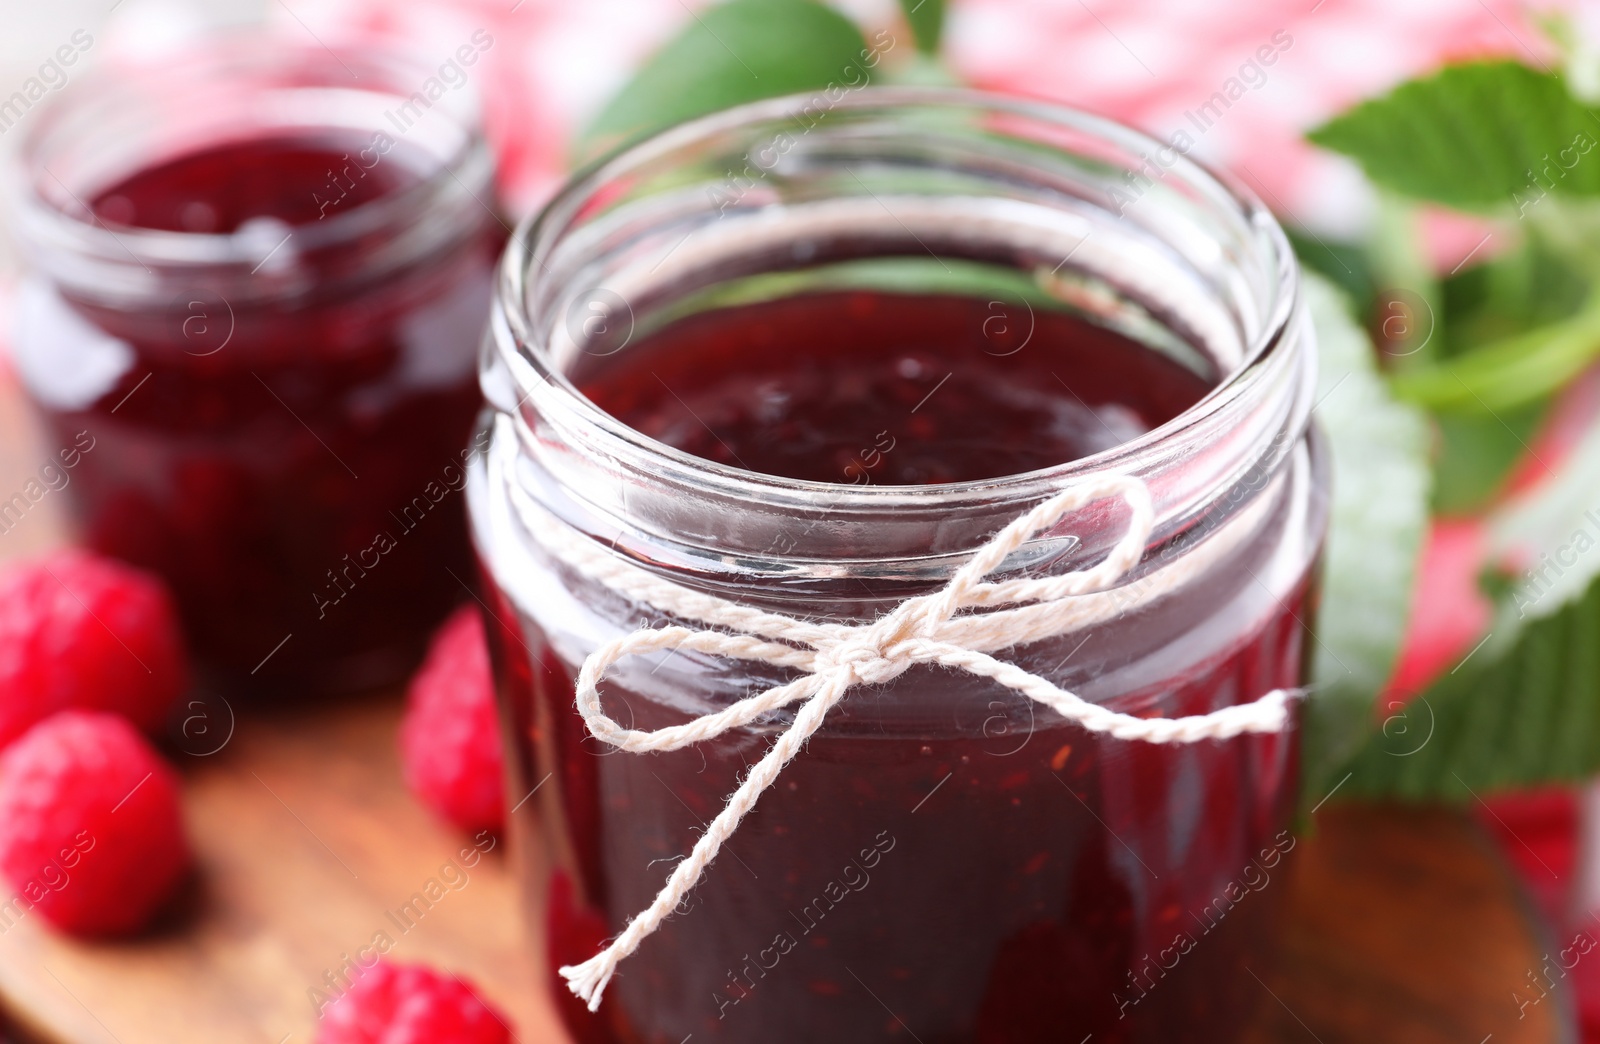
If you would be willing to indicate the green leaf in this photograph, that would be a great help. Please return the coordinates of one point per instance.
(1533, 286)
(1477, 136)
(1346, 265)
(1379, 451)
(736, 52)
(1523, 709)
(926, 18)
(1524, 716)
(1512, 372)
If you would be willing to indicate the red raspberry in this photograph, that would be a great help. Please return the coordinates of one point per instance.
(450, 738)
(411, 1004)
(91, 834)
(79, 630)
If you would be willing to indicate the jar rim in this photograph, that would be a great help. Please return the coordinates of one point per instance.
(52, 221)
(546, 388)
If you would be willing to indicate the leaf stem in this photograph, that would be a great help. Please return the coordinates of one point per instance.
(1510, 372)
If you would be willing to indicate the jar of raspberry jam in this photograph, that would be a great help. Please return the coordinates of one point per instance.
(260, 275)
(799, 361)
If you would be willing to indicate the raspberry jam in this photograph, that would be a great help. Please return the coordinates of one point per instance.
(279, 413)
(869, 387)
(289, 181)
(1008, 879)
(826, 389)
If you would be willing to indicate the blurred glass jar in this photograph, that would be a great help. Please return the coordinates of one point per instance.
(259, 274)
(1020, 879)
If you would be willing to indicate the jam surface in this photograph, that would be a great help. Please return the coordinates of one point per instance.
(219, 189)
(818, 386)
(945, 861)
(289, 461)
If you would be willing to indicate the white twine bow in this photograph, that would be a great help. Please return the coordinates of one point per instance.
(836, 657)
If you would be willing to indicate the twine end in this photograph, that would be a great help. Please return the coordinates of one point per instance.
(1275, 707)
(588, 980)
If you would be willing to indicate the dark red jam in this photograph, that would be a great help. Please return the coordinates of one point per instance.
(945, 862)
(288, 461)
(218, 190)
(868, 387)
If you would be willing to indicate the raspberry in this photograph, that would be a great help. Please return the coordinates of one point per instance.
(79, 630)
(450, 738)
(91, 835)
(411, 1004)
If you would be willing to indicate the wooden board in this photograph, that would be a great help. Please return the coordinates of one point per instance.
(1402, 924)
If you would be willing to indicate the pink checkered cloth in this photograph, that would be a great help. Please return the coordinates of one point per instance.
(1283, 67)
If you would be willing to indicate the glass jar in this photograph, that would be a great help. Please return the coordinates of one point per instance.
(945, 859)
(259, 275)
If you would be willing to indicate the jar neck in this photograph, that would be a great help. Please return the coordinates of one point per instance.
(1192, 264)
(237, 90)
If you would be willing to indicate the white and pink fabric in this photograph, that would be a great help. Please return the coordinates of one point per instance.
(1146, 62)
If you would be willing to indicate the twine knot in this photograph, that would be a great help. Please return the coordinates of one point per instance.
(871, 656)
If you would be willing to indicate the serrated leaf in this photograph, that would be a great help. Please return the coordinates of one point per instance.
(1523, 716)
(736, 52)
(926, 18)
(1523, 709)
(1379, 450)
(1476, 136)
